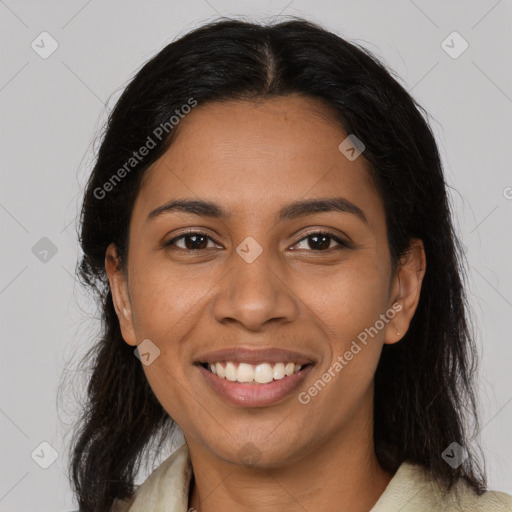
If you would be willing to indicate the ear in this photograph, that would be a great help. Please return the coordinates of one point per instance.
(120, 294)
(405, 290)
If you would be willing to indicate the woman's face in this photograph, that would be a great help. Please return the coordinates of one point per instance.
(259, 287)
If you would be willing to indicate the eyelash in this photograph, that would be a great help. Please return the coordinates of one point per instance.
(342, 244)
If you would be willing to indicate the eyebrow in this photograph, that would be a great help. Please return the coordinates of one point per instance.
(289, 212)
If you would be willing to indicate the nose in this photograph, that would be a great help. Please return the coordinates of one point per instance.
(255, 294)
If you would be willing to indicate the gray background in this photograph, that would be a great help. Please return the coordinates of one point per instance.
(52, 109)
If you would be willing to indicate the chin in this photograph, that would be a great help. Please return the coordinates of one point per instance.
(257, 452)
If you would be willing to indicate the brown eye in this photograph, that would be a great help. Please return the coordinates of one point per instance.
(192, 241)
(321, 241)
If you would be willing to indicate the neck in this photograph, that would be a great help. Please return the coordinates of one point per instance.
(341, 474)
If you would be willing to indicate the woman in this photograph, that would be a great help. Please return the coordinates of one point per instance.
(268, 232)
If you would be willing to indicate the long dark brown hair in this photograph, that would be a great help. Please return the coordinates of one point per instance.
(424, 391)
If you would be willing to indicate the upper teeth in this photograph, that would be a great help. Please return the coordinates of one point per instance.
(261, 373)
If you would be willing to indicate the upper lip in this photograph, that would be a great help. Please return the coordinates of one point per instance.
(254, 356)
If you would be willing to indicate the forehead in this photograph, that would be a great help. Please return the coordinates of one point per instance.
(255, 156)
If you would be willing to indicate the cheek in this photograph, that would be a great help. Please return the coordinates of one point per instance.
(165, 300)
(348, 301)
(167, 385)
(349, 305)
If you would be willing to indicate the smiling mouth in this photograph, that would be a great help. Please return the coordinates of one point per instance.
(262, 373)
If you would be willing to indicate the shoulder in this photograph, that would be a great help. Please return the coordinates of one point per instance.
(167, 485)
(412, 489)
(123, 505)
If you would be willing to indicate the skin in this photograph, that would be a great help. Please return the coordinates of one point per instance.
(252, 158)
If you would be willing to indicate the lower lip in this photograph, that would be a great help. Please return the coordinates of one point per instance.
(254, 395)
